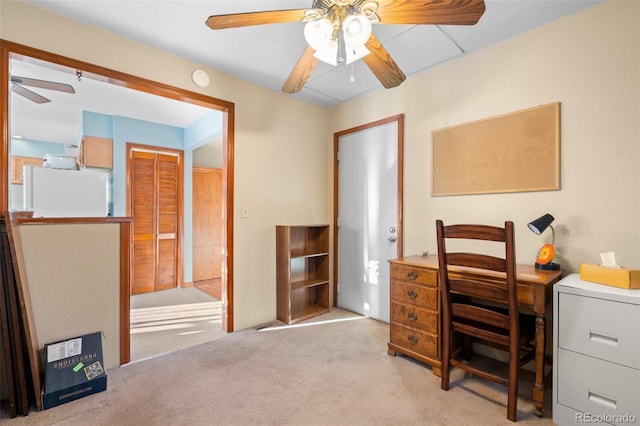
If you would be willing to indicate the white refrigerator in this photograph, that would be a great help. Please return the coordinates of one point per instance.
(66, 193)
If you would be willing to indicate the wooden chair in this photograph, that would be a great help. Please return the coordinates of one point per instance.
(484, 311)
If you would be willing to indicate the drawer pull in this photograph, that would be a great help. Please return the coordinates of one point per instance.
(412, 339)
(602, 400)
(412, 275)
(602, 338)
(412, 294)
(413, 317)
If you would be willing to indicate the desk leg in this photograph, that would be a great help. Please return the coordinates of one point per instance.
(538, 387)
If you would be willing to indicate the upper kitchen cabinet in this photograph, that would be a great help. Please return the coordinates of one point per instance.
(95, 152)
(18, 162)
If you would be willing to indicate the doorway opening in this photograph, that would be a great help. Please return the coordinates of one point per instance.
(169, 320)
(13, 52)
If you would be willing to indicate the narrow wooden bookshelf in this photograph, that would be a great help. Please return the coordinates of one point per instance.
(302, 271)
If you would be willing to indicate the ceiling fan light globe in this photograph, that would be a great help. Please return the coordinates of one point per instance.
(357, 30)
(355, 53)
(318, 34)
(329, 54)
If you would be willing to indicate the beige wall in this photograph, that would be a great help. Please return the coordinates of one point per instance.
(282, 146)
(72, 273)
(590, 63)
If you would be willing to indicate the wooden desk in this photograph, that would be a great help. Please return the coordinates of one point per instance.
(414, 278)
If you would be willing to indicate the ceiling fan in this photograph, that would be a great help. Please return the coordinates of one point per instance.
(339, 31)
(18, 84)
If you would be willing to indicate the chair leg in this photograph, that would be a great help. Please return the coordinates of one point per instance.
(512, 386)
(444, 374)
(445, 367)
(512, 404)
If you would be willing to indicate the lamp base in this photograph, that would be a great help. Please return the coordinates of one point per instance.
(549, 266)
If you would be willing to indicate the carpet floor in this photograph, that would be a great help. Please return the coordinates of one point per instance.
(333, 370)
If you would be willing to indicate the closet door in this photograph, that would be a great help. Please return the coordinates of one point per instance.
(155, 205)
(167, 214)
(143, 206)
(207, 223)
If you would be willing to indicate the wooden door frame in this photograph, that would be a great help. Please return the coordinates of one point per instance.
(399, 119)
(132, 146)
(10, 50)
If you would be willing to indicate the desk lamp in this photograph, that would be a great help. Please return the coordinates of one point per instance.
(547, 251)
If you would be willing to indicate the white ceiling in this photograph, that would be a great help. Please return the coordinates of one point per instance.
(263, 54)
(266, 54)
(61, 119)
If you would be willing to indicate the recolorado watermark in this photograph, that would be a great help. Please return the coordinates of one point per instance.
(605, 418)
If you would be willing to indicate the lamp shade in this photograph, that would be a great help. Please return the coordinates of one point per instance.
(328, 54)
(319, 34)
(540, 224)
(357, 30)
(355, 53)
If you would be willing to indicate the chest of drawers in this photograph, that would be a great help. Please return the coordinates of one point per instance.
(415, 310)
(596, 353)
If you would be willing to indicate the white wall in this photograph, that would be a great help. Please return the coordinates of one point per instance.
(590, 63)
(282, 146)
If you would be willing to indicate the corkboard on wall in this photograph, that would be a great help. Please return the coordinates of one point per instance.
(515, 152)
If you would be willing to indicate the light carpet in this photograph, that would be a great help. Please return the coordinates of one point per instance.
(331, 371)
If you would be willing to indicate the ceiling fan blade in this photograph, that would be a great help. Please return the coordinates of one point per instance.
(32, 96)
(43, 84)
(434, 12)
(382, 64)
(301, 72)
(219, 22)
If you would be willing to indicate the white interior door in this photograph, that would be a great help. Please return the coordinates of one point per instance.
(367, 218)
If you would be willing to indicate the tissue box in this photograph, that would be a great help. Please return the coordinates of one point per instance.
(617, 277)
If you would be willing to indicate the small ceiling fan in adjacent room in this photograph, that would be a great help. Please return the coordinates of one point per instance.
(18, 83)
(339, 31)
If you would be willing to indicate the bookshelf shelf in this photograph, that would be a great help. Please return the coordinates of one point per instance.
(302, 271)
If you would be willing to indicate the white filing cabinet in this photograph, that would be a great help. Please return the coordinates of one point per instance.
(596, 353)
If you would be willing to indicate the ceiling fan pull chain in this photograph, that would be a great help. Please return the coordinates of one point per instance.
(352, 78)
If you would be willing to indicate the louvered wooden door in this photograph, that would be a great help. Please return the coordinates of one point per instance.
(155, 205)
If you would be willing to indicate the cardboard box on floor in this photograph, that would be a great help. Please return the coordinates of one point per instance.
(73, 369)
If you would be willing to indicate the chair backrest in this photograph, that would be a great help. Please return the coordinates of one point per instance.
(479, 290)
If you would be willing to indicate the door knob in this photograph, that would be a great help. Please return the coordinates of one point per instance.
(392, 239)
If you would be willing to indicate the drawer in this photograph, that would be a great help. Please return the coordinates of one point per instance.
(418, 275)
(415, 317)
(425, 297)
(598, 387)
(414, 340)
(601, 328)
